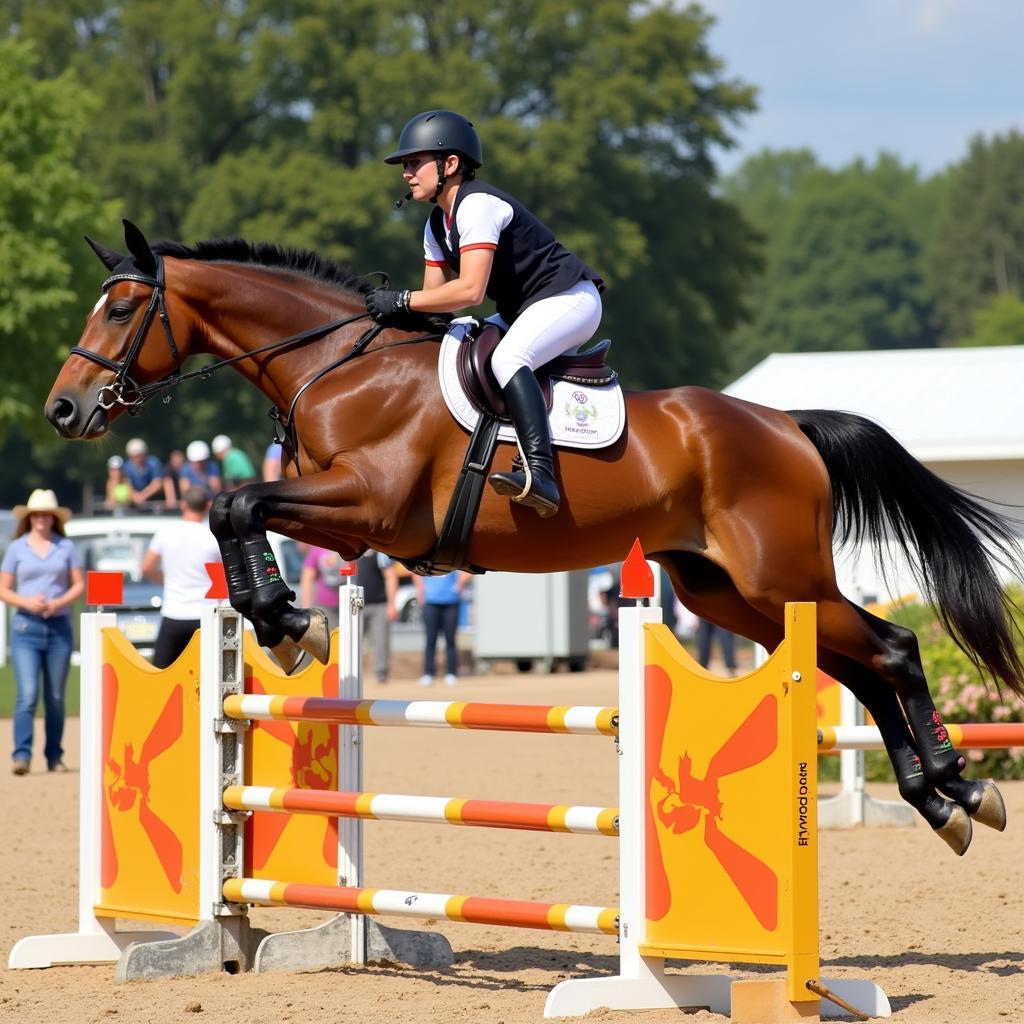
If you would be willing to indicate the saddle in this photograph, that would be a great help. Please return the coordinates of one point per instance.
(481, 386)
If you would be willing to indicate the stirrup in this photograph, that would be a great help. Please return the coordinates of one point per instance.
(518, 486)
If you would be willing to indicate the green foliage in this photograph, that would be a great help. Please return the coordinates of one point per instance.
(960, 694)
(979, 244)
(843, 252)
(1000, 322)
(45, 207)
(765, 185)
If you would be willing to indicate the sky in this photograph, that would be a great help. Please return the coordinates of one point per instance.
(850, 78)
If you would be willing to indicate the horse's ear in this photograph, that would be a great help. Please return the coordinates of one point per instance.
(110, 258)
(139, 248)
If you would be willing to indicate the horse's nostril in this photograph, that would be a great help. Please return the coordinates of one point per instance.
(62, 412)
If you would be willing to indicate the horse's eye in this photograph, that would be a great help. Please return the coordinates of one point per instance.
(119, 313)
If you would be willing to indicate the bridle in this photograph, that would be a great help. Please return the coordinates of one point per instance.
(123, 390)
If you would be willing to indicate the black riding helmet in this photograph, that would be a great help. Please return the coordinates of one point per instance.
(440, 132)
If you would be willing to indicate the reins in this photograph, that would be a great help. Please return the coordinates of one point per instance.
(123, 390)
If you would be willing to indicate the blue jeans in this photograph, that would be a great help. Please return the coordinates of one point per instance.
(40, 648)
(440, 618)
(706, 632)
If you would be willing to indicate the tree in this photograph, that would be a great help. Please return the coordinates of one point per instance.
(843, 252)
(979, 245)
(766, 184)
(1001, 322)
(46, 205)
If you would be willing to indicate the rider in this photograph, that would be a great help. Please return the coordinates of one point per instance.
(480, 240)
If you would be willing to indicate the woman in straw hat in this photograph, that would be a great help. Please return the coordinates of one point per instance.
(40, 577)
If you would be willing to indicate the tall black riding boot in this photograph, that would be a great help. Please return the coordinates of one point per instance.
(536, 486)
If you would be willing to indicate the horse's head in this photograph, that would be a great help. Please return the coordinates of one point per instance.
(110, 367)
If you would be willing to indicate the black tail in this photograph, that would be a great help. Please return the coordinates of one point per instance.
(880, 492)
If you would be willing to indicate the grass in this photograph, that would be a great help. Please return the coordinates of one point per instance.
(7, 692)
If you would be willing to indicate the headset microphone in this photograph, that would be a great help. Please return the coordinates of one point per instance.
(399, 203)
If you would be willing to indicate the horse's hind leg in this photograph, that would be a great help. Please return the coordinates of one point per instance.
(240, 587)
(940, 761)
(891, 653)
(946, 817)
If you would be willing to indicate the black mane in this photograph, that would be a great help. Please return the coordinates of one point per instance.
(265, 254)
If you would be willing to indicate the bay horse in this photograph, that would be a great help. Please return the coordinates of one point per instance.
(737, 502)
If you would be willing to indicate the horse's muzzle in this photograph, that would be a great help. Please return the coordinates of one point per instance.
(71, 420)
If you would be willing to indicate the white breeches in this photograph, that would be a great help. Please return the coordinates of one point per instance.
(547, 329)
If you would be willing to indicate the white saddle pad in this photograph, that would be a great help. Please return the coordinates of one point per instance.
(581, 416)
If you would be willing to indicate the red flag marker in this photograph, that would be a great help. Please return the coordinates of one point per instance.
(637, 579)
(104, 588)
(218, 581)
(349, 569)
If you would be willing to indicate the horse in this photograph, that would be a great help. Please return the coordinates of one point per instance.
(739, 503)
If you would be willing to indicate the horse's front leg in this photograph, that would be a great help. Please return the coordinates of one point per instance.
(331, 502)
(240, 594)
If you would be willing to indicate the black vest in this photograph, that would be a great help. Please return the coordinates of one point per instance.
(529, 263)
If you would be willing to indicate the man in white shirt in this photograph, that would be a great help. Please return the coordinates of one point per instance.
(177, 558)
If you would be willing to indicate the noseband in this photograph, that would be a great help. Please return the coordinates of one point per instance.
(123, 390)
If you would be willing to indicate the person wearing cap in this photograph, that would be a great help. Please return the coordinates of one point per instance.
(199, 470)
(118, 497)
(40, 578)
(482, 241)
(177, 557)
(236, 467)
(143, 471)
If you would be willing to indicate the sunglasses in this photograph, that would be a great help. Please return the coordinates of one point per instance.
(414, 163)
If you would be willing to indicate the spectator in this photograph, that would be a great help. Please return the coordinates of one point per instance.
(272, 463)
(177, 557)
(706, 632)
(376, 574)
(199, 471)
(172, 478)
(40, 577)
(319, 582)
(378, 577)
(440, 597)
(236, 467)
(118, 497)
(143, 472)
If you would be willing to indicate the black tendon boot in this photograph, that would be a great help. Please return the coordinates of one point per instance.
(535, 486)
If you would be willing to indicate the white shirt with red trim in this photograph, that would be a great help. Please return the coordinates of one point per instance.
(481, 218)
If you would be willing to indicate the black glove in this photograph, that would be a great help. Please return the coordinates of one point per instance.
(388, 307)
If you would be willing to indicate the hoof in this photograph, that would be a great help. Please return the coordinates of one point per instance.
(287, 654)
(316, 641)
(991, 811)
(957, 831)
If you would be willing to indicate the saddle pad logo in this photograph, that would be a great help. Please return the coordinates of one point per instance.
(580, 408)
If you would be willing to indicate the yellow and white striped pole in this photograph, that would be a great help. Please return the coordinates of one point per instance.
(598, 821)
(559, 917)
(575, 720)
